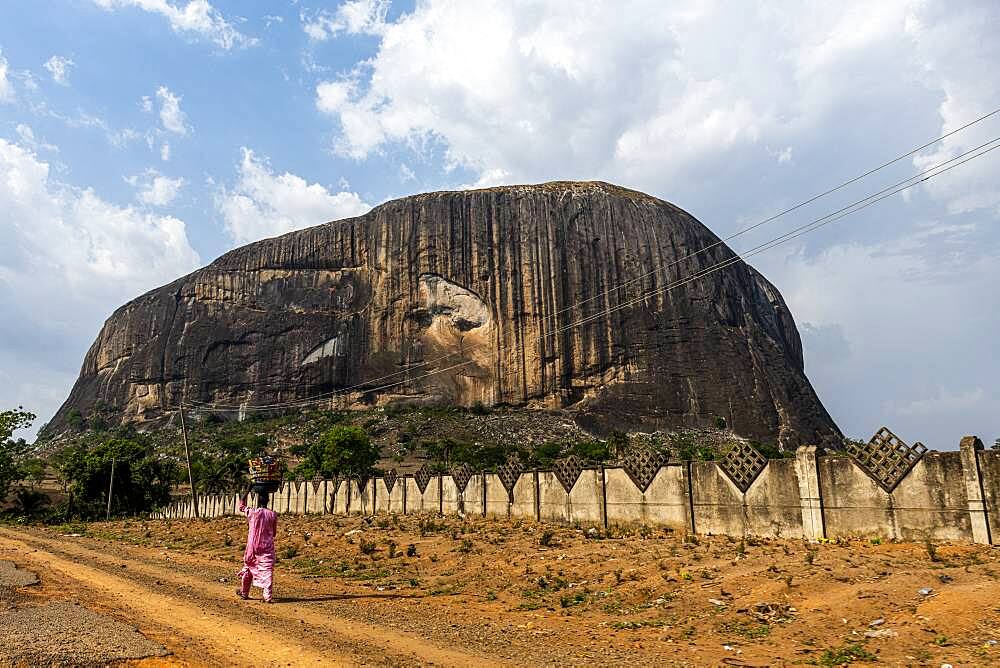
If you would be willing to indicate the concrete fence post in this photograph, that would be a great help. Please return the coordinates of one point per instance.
(604, 498)
(811, 500)
(969, 448)
(538, 500)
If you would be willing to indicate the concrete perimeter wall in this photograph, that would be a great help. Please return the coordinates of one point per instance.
(953, 496)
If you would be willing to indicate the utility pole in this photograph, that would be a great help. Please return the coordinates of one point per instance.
(111, 489)
(187, 456)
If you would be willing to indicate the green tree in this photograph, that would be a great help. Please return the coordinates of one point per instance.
(225, 467)
(141, 481)
(33, 471)
(11, 451)
(11, 421)
(340, 451)
(447, 452)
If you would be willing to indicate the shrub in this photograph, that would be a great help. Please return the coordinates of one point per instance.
(847, 654)
(546, 453)
(931, 550)
(75, 419)
(545, 540)
(29, 503)
(569, 600)
(770, 450)
(591, 451)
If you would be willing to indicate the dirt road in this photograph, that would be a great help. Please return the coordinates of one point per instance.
(478, 592)
(199, 618)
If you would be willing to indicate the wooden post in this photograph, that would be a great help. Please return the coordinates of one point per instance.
(187, 456)
(111, 489)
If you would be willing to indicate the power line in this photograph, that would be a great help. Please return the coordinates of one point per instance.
(856, 206)
(675, 262)
(804, 229)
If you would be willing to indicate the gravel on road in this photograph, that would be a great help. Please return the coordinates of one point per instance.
(61, 633)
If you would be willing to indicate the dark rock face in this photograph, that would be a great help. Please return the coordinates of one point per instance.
(552, 295)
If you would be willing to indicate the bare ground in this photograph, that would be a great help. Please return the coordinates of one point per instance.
(483, 591)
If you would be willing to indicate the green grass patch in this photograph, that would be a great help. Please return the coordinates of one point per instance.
(747, 630)
(635, 625)
(842, 656)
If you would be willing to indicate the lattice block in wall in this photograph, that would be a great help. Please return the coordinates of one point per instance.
(509, 473)
(389, 478)
(642, 464)
(886, 459)
(568, 470)
(423, 477)
(742, 464)
(461, 475)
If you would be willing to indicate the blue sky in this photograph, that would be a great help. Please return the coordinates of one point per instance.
(140, 139)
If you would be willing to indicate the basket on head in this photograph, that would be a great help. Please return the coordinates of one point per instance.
(265, 473)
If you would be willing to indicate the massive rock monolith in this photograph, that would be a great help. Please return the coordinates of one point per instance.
(585, 296)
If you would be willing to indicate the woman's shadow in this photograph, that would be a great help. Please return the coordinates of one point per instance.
(338, 597)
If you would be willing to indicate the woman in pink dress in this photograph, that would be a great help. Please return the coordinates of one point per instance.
(258, 558)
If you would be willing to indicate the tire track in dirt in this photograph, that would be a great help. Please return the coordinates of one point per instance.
(224, 632)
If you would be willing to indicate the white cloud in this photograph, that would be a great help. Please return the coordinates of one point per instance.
(784, 156)
(567, 84)
(80, 236)
(154, 188)
(173, 119)
(146, 104)
(58, 67)
(967, 94)
(117, 138)
(263, 204)
(894, 332)
(197, 17)
(6, 87)
(165, 151)
(353, 17)
(27, 136)
(68, 259)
